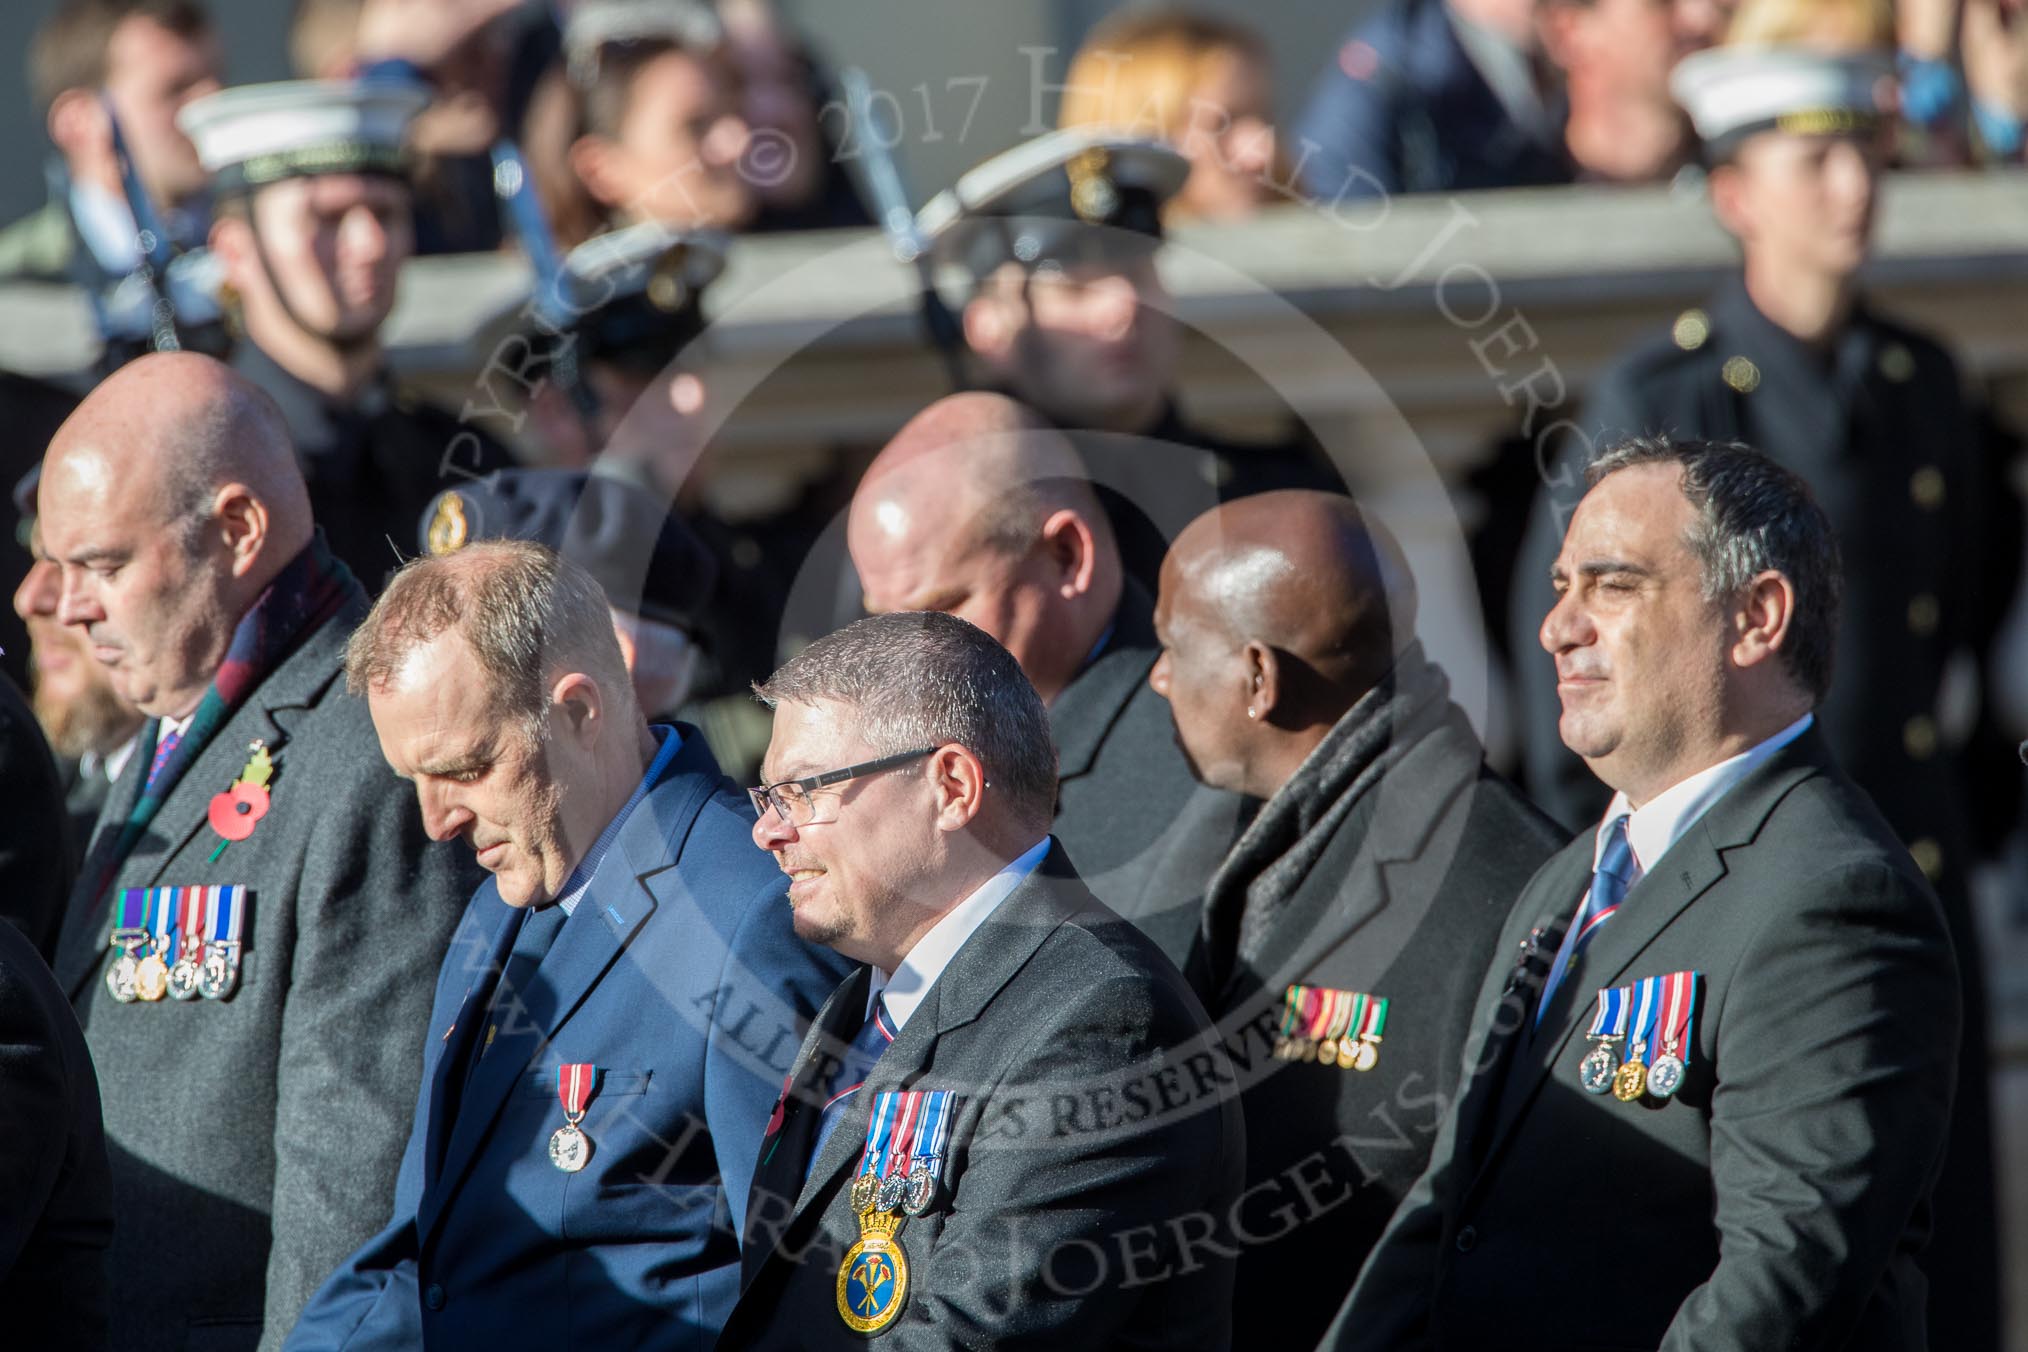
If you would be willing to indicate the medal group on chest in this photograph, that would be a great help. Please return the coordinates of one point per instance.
(1332, 1028)
(181, 943)
(899, 1171)
(1652, 1019)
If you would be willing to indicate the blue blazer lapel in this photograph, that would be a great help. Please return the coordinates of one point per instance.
(608, 915)
(456, 1051)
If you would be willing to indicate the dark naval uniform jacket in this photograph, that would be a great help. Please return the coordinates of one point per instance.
(1406, 903)
(1143, 833)
(1877, 426)
(1780, 1198)
(372, 468)
(1096, 1143)
(255, 1139)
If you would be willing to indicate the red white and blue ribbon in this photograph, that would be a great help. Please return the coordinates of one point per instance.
(1679, 1013)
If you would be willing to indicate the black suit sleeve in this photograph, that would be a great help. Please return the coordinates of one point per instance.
(1836, 1042)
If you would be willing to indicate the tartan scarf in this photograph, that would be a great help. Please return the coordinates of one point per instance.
(309, 590)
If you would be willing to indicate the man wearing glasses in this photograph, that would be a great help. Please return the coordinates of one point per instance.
(617, 1008)
(1011, 1123)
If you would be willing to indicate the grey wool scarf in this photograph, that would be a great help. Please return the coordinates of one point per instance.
(1293, 828)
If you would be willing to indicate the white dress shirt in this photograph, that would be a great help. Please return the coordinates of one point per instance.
(908, 983)
(1653, 828)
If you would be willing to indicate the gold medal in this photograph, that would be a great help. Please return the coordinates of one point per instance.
(151, 978)
(1630, 1081)
(1367, 1056)
(1327, 1051)
(873, 1278)
(1347, 1058)
(865, 1188)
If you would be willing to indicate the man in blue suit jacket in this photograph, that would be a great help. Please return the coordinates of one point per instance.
(620, 1003)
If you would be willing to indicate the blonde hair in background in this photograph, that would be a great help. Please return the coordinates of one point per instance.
(1828, 25)
(1137, 71)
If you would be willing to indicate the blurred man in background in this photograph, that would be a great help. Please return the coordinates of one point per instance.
(89, 725)
(145, 60)
(110, 78)
(1068, 314)
(313, 226)
(1621, 125)
(978, 509)
(1871, 414)
(651, 128)
(1433, 96)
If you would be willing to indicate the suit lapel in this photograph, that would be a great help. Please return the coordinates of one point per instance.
(780, 1171)
(457, 1048)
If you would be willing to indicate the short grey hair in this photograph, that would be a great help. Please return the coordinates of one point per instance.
(922, 678)
(1753, 516)
(527, 612)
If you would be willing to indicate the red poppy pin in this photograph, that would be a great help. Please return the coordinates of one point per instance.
(234, 813)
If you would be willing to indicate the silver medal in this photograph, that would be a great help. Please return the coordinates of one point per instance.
(893, 1189)
(569, 1148)
(122, 978)
(184, 977)
(1665, 1077)
(219, 976)
(922, 1189)
(1597, 1069)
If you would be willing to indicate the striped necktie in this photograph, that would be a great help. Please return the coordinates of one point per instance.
(165, 747)
(860, 1058)
(1615, 873)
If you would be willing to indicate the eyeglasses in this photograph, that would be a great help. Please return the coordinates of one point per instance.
(790, 799)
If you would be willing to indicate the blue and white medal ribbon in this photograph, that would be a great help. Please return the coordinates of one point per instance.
(1595, 1073)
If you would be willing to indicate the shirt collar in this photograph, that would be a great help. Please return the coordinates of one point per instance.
(912, 980)
(116, 760)
(581, 876)
(1653, 828)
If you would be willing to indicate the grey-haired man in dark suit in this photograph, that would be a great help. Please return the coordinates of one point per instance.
(1706, 1106)
(253, 938)
(1011, 1126)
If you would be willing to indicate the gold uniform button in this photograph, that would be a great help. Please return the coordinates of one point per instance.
(1926, 488)
(1923, 615)
(1918, 737)
(1691, 329)
(1928, 856)
(1741, 374)
(1897, 363)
